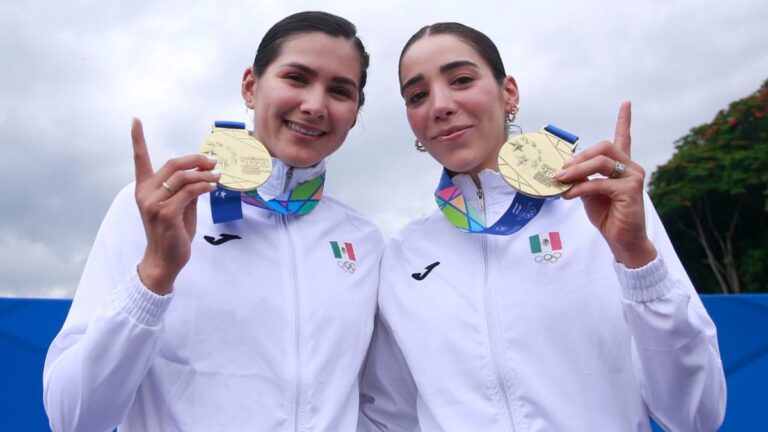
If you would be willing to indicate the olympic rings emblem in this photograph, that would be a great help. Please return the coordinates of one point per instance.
(547, 258)
(347, 266)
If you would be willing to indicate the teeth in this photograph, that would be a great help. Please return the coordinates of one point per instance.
(299, 129)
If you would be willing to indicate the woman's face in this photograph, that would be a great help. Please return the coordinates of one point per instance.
(455, 106)
(306, 101)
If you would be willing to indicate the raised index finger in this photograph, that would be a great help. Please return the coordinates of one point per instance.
(622, 137)
(140, 154)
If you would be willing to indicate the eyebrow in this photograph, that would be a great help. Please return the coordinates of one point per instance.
(443, 69)
(313, 73)
(413, 81)
(456, 64)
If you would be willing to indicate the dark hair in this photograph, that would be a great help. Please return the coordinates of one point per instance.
(476, 39)
(308, 22)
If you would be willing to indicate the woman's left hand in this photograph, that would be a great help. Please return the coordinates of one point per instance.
(614, 204)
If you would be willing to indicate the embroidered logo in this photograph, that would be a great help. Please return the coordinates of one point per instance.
(546, 248)
(222, 239)
(345, 254)
(421, 276)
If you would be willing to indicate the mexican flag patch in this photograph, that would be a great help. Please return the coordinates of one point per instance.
(545, 242)
(343, 250)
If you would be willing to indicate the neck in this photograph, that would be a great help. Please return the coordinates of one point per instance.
(475, 173)
(491, 164)
(476, 179)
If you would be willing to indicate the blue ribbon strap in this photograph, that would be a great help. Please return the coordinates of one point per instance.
(225, 205)
(562, 134)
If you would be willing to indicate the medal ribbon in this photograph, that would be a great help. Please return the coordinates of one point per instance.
(297, 201)
(226, 205)
(465, 217)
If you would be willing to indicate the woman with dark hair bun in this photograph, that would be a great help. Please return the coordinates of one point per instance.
(211, 307)
(509, 310)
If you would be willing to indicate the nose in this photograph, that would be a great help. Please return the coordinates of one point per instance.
(313, 102)
(443, 106)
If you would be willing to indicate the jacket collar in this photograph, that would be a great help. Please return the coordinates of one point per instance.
(280, 180)
(497, 194)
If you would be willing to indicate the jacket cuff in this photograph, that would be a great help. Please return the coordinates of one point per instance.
(644, 284)
(138, 302)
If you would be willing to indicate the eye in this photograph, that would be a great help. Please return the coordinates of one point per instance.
(341, 91)
(296, 78)
(462, 80)
(415, 97)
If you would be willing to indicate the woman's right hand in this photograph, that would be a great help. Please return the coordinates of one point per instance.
(167, 202)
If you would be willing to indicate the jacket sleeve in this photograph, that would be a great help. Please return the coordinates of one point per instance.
(387, 390)
(95, 364)
(674, 341)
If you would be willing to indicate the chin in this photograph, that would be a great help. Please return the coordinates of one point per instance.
(301, 161)
(458, 165)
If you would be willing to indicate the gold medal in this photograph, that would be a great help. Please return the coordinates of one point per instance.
(528, 162)
(244, 162)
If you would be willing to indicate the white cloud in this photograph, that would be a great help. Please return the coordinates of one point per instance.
(39, 268)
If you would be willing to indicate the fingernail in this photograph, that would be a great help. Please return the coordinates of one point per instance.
(213, 184)
(560, 173)
(211, 157)
(216, 173)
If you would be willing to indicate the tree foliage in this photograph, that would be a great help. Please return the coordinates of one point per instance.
(713, 198)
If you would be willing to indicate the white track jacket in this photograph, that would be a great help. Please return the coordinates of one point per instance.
(263, 332)
(536, 331)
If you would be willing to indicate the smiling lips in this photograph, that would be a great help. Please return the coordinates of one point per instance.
(304, 130)
(449, 133)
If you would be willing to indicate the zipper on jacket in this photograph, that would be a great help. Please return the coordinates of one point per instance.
(288, 177)
(480, 197)
(490, 318)
(297, 307)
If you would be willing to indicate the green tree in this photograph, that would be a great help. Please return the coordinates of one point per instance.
(713, 198)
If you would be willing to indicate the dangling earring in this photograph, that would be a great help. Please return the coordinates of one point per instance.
(512, 128)
(419, 146)
(249, 124)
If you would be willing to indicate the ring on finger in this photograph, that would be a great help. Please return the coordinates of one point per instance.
(167, 187)
(618, 170)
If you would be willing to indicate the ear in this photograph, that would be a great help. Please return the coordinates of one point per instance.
(511, 94)
(248, 88)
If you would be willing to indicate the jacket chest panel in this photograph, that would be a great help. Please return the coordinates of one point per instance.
(438, 309)
(546, 308)
(244, 298)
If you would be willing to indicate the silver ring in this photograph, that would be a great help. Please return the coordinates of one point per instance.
(618, 170)
(167, 187)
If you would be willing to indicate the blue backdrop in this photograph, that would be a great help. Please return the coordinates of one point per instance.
(27, 327)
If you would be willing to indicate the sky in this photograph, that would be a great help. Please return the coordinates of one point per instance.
(75, 73)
